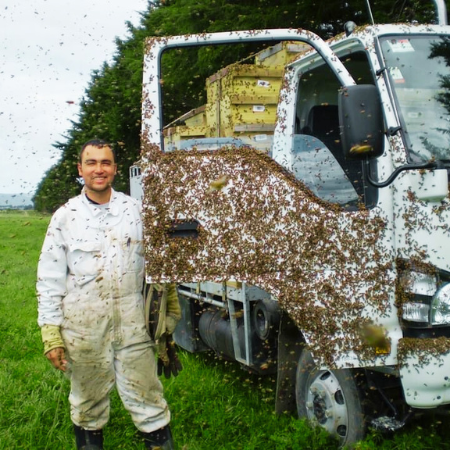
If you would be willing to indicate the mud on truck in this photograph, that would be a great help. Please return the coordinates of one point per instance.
(304, 213)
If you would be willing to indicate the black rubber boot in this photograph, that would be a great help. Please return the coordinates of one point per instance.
(88, 439)
(159, 440)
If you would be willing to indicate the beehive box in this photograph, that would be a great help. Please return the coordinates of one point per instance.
(280, 54)
(191, 125)
(257, 136)
(173, 135)
(242, 95)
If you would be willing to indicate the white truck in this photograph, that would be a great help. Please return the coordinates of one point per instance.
(325, 259)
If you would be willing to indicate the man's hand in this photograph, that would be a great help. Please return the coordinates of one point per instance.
(168, 361)
(54, 346)
(57, 358)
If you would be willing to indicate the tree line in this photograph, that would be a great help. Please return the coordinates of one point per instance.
(111, 106)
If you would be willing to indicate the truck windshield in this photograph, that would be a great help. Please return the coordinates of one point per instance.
(419, 69)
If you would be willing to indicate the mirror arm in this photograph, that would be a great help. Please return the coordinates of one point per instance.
(393, 130)
(380, 71)
(396, 172)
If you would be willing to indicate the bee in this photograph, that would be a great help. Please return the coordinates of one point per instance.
(219, 183)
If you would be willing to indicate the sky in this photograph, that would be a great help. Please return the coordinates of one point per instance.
(49, 49)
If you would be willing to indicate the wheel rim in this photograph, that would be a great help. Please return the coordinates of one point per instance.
(325, 403)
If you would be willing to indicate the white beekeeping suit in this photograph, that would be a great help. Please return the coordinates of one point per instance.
(90, 280)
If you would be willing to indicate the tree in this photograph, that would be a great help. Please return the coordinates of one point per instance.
(111, 108)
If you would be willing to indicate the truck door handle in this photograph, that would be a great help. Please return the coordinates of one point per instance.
(183, 228)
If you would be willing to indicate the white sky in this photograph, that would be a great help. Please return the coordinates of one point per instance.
(48, 50)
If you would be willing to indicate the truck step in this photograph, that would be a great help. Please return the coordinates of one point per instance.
(387, 424)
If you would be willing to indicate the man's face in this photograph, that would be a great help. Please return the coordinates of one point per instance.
(97, 168)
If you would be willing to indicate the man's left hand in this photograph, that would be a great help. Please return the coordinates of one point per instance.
(168, 361)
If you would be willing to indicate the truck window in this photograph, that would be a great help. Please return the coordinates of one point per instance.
(317, 156)
(357, 64)
(231, 101)
(418, 68)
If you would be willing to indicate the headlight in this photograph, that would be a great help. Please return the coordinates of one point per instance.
(416, 312)
(418, 283)
(420, 288)
(440, 306)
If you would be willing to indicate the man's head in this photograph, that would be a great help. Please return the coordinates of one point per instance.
(97, 165)
(96, 143)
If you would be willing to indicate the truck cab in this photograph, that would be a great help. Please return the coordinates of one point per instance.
(323, 258)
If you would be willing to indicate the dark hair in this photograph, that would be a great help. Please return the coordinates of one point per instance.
(99, 143)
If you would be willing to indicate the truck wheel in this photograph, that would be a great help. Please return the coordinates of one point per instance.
(330, 399)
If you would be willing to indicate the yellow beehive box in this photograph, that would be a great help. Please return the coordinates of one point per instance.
(173, 135)
(242, 94)
(280, 54)
(246, 80)
(191, 125)
(194, 118)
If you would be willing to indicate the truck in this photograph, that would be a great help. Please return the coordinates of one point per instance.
(304, 214)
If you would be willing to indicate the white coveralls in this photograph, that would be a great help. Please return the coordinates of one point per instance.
(90, 279)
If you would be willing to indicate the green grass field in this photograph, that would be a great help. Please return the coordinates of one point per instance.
(214, 404)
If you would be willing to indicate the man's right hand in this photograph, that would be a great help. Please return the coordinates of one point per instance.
(54, 346)
(57, 358)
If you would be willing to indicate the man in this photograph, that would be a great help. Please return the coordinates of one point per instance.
(91, 309)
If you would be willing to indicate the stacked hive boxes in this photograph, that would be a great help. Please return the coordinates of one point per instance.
(242, 100)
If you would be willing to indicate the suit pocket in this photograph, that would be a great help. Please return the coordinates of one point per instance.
(85, 261)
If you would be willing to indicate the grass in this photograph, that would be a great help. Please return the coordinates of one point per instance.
(214, 404)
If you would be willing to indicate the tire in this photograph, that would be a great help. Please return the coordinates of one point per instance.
(330, 399)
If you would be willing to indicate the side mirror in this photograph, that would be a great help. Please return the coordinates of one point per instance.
(361, 121)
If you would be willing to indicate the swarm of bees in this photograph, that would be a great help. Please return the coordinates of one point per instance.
(325, 267)
(267, 229)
